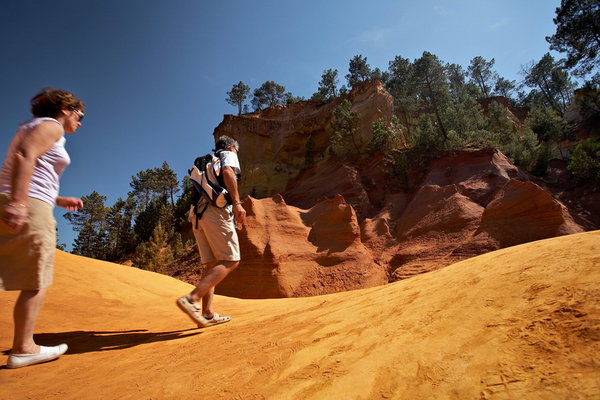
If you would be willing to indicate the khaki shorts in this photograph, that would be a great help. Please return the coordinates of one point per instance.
(27, 257)
(215, 235)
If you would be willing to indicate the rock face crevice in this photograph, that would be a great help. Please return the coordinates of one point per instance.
(335, 226)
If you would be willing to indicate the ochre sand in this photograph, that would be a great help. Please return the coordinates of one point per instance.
(519, 323)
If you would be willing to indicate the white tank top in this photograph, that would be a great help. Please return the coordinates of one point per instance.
(48, 167)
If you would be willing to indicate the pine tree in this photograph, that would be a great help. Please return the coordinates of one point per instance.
(309, 152)
(401, 85)
(120, 238)
(237, 95)
(269, 94)
(552, 82)
(578, 34)
(359, 71)
(90, 222)
(156, 254)
(166, 182)
(344, 138)
(433, 90)
(327, 89)
(482, 75)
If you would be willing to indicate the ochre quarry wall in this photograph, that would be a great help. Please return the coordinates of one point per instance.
(273, 141)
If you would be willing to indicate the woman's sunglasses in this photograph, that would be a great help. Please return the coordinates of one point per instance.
(79, 114)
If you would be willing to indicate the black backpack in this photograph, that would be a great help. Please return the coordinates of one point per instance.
(207, 184)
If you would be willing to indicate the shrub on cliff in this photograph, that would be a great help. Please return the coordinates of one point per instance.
(344, 140)
(585, 161)
(386, 136)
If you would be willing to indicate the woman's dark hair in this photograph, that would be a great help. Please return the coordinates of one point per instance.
(224, 142)
(49, 102)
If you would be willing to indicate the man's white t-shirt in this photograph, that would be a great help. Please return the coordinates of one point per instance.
(230, 159)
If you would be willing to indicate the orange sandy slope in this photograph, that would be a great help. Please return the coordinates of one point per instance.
(521, 323)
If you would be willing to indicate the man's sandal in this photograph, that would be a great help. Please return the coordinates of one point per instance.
(216, 319)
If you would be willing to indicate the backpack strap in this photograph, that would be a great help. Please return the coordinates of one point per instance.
(219, 155)
(199, 214)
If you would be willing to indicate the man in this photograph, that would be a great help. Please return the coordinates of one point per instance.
(217, 240)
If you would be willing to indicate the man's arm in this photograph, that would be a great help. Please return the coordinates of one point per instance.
(230, 181)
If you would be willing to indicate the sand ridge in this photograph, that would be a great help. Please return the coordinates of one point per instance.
(518, 323)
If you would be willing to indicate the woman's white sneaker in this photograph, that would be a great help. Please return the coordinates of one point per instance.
(47, 353)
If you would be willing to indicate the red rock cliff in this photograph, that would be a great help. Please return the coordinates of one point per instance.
(335, 226)
(273, 141)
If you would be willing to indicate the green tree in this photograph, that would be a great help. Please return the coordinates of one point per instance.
(153, 183)
(380, 75)
(386, 135)
(142, 185)
(90, 223)
(553, 83)
(309, 151)
(89, 242)
(60, 245)
(359, 71)
(344, 139)
(237, 95)
(291, 99)
(585, 161)
(269, 94)
(459, 88)
(546, 123)
(177, 247)
(427, 137)
(182, 206)
(166, 183)
(578, 34)
(401, 85)
(433, 89)
(327, 89)
(520, 145)
(465, 120)
(156, 254)
(120, 235)
(146, 220)
(481, 73)
(505, 88)
(500, 125)
(588, 98)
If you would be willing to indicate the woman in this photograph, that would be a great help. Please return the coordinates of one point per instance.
(29, 183)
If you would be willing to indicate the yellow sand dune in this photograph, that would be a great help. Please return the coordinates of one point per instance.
(519, 323)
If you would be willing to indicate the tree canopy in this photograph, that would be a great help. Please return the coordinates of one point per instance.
(359, 71)
(578, 34)
(237, 95)
(327, 86)
(481, 73)
(269, 94)
(551, 81)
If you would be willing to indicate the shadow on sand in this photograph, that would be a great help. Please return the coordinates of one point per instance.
(89, 341)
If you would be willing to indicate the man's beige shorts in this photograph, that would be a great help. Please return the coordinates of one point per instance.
(27, 257)
(215, 235)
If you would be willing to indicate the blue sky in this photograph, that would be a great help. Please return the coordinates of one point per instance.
(154, 73)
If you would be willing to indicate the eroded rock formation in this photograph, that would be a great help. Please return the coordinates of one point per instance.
(290, 252)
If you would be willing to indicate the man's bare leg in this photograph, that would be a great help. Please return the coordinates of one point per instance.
(214, 273)
(207, 302)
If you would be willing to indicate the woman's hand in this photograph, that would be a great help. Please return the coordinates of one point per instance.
(14, 216)
(70, 203)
